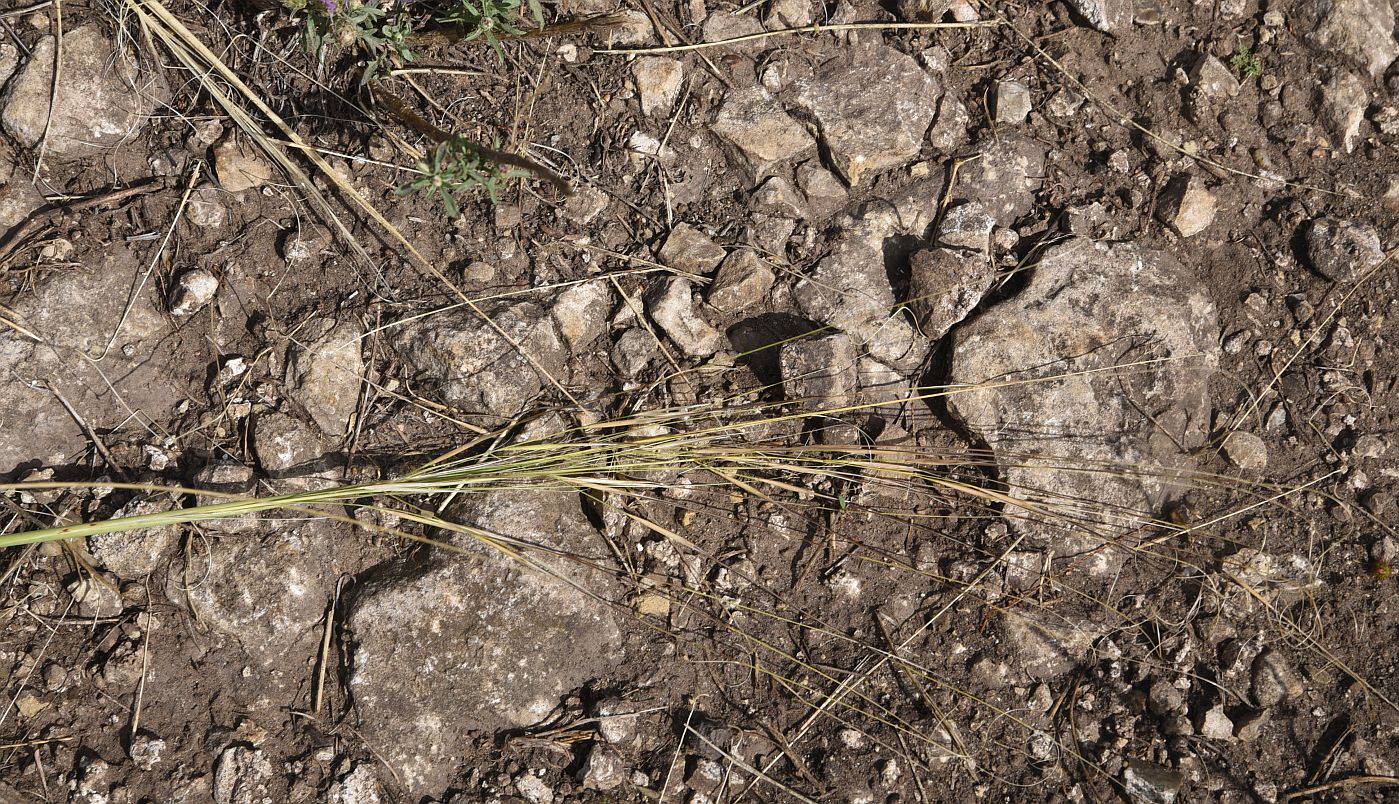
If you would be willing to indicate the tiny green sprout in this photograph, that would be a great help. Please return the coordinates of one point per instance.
(459, 166)
(1246, 63)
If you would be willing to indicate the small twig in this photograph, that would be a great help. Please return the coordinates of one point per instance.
(817, 28)
(53, 86)
(416, 122)
(35, 743)
(1349, 781)
(22, 230)
(20, 12)
(145, 658)
(88, 429)
(318, 691)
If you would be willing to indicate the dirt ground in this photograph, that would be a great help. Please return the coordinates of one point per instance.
(1040, 368)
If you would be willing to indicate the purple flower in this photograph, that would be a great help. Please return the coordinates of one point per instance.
(331, 6)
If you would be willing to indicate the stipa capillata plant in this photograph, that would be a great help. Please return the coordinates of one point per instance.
(457, 165)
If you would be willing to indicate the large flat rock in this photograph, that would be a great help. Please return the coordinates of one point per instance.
(1088, 386)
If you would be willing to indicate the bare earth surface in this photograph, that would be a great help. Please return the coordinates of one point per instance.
(1047, 367)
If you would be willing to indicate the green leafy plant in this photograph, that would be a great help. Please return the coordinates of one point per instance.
(457, 166)
(1246, 63)
(489, 20)
(355, 24)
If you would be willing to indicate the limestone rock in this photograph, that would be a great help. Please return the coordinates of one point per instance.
(820, 372)
(1149, 783)
(690, 250)
(286, 446)
(1274, 679)
(580, 313)
(1059, 407)
(1047, 645)
(241, 776)
(945, 285)
(1108, 16)
(873, 106)
(1359, 30)
(1005, 178)
(658, 82)
(753, 122)
(193, 290)
(239, 167)
(498, 642)
(1343, 102)
(324, 371)
(1187, 205)
(671, 305)
(268, 592)
(777, 196)
(743, 280)
(18, 200)
(474, 367)
(1246, 451)
(967, 226)
(922, 10)
(633, 352)
(83, 313)
(102, 97)
(134, 554)
(1342, 250)
(1012, 102)
(850, 290)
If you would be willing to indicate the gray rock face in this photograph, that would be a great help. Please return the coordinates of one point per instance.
(1187, 205)
(580, 313)
(743, 280)
(79, 313)
(1359, 30)
(475, 368)
(850, 290)
(324, 370)
(491, 643)
(268, 592)
(102, 98)
(1060, 407)
(1005, 178)
(134, 554)
(1343, 102)
(1342, 250)
(945, 285)
(873, 106)
(753, 122)
(688, 249)
(671, 304)
(820, 372)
